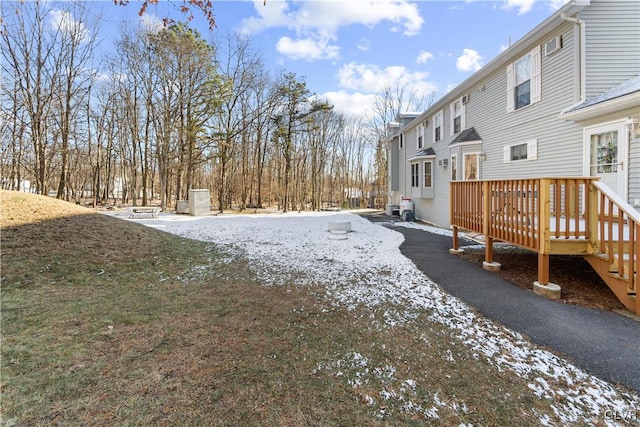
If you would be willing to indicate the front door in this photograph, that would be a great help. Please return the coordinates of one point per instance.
(607, 148)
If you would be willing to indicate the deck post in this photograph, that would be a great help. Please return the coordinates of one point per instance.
(542, 286)
(591, 217)
(456, 244)
(543, 269)
(488, 263)
(455, 238)
(488, 251)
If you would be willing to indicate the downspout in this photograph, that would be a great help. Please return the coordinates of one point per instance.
(583, 60)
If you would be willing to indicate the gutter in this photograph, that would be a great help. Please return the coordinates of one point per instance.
(583, 60)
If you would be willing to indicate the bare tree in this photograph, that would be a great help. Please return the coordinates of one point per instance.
(76, 44)
(389, 103)
(30, 58)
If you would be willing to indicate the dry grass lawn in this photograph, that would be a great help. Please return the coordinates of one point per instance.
(107, 322)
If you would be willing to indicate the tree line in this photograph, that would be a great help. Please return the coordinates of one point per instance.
(166, 112)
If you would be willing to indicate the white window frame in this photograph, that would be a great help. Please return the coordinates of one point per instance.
(454, 167)
(452, 116)
(415, 175)
(438, 119)
(420, 136)
(464, 166)
(532, 151)
(424, 173)
(535, 94)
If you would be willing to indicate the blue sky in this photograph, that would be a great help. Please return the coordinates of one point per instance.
(349, 50)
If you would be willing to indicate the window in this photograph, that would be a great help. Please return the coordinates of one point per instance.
(471, 166)
(428, 175)
(522, 151)
(415, 177)
(523, 81)
(400, 140)
(457, 110)
(419, 141)
(604, 155)
(454, 168)
(437, 126)
(522, 92)
(518, 152)
(420, 135)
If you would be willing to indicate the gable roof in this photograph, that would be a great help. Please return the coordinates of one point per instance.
(427, 152)
(466, 135)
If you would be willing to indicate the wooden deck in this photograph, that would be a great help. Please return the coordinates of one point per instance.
(555, 216)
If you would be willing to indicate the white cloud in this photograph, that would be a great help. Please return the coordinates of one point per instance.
(363, 45)
(370, 78)
(330, 15)
(361, 84)
(64, 22)
(557, 4)
(151, 24)
(523, 6)
(308, 49)
(356, 104)
(321, 20)
(470, 60)
(423, 57)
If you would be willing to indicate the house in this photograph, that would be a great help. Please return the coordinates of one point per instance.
(562, 101)
(540, 148)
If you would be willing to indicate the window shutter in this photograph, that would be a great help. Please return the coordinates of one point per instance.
(532, 149)
(451, 113)
(506, 152)
(511, 79)
(536, 80)
(463, 110)
(433, 130)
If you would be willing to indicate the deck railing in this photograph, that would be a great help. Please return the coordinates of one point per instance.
(558, 215)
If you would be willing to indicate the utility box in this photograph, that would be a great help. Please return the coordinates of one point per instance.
(199, 204)
(182, 206)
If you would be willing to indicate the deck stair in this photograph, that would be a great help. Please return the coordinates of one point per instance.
(556, 216)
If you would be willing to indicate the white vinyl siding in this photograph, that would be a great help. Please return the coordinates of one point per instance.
(612, 58)
(613, 31)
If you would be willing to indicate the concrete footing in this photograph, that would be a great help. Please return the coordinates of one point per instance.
(550, 290)
(456, 251)
(491, 266)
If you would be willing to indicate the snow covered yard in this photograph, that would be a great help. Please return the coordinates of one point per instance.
(368, 270)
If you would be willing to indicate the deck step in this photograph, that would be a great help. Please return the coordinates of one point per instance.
(618, 284)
